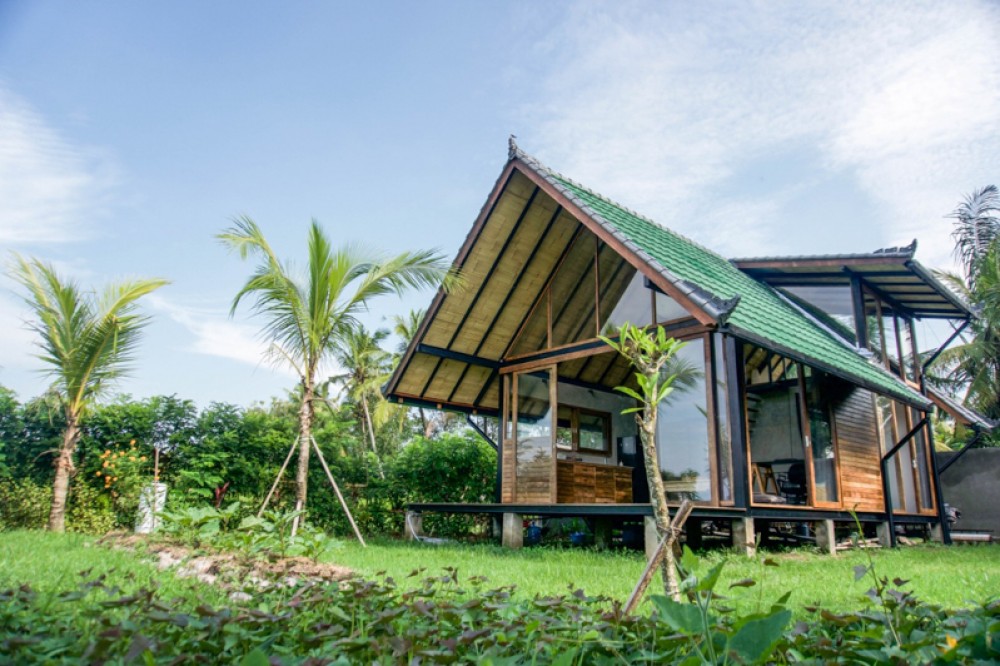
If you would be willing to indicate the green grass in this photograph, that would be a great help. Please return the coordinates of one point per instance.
(950, 576)
(52, 563)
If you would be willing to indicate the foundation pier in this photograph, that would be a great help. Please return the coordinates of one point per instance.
(513, 530)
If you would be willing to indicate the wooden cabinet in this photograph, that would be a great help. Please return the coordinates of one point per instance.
(591, 483)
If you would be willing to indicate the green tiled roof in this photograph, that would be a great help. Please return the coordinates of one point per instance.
(760, 313)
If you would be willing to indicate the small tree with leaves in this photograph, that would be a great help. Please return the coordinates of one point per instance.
(650, 353)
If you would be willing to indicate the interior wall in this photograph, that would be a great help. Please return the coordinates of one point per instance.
(622, 425)
(775, 435)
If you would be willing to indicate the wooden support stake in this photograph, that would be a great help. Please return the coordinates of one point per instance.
(340, 497)
(661, 552)
(277, 479)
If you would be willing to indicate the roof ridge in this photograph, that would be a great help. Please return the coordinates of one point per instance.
(517, 152)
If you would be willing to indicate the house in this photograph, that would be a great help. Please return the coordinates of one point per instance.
(801, 399)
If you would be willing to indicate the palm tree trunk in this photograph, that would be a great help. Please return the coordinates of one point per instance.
(658, 496)
(423, 422)
(371, 434)
(305, 438)
(64, 469)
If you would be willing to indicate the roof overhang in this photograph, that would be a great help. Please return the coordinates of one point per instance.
(893, 274)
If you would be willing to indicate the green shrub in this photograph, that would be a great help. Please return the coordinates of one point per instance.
(24, 504)
(459, 468)
(89, 511)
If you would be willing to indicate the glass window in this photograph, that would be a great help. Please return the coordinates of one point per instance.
(832, 305)
(667, 309)
(682, 428)
(820, 396)
(583, 430)
(722, 419)
(594, 432)
(634, 305)
(534, 437)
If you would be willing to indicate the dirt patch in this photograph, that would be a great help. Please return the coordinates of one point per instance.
(232, 572)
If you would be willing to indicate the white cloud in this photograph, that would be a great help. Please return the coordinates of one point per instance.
(214, 333)
(49, 188)
(16, 339)
(662, 106)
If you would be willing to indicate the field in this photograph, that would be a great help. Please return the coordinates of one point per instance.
(950, 576)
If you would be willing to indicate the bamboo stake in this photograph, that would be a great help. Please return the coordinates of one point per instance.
(661, 552)
(336, 489)
(277, 479)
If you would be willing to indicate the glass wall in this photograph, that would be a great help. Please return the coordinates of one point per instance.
(634, 305)
(725, 447)
(821, 394)
(833, 305)
(683, 444)
(535, 464)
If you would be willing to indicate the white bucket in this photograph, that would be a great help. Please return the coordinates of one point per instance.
(152, 499)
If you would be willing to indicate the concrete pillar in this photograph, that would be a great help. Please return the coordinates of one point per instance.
(513, 530)
(692, 533)
(882, 532)
(937, 534)
(826, 537)
(602, 533)
(744, 538)
(414, 526)
(652, 536)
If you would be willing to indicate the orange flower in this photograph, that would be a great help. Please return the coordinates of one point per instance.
(105, 464)
(132, 442)
(142, 458)
(98, 473)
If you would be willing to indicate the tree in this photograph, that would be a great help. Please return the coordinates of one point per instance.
(974, 366)
(976, 228)
(650, 354)
(366, 368)
(406, 328)
(306, 314)
(88, 342)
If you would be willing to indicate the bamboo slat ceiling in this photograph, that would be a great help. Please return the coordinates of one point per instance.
(522, 237)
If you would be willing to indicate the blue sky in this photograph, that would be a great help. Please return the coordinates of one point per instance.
(131, 133)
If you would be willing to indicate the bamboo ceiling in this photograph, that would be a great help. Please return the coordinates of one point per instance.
(522, 242)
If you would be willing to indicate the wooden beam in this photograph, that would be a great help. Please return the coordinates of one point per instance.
(463, 255)
(482, 286)
(599, 230)
(456, 356)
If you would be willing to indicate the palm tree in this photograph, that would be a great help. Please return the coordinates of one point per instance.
(306, 314)
(976, 228)
(406, 328)
(366, 368)
(88, 342)
(975, 365)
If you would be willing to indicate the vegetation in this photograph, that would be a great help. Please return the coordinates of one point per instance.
(223, 453)
(124, 609)
(650, 354)
(973, 367)
(306, 316)
(88, 342)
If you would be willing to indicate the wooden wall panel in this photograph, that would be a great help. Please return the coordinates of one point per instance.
(509, 461)
(858, 447)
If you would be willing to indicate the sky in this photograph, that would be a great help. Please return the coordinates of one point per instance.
(132, 133)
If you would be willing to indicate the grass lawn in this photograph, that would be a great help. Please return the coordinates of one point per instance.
(51, 563)
(951, 577)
